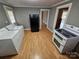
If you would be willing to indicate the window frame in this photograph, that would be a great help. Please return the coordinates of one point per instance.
(8, 8)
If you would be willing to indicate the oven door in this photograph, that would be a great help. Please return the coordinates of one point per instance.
(58, 45)
(61, 40)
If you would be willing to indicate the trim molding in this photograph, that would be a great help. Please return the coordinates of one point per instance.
(4, 2)
(49, 29)
(59, 3)
(57, 10)
(44, 22)
(48, 6)
(41, 18)
(27, 29)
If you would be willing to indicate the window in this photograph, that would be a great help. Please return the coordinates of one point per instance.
(10, 15)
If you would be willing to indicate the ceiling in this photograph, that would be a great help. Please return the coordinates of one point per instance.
(31, 3)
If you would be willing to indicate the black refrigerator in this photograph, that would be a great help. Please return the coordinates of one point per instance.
(34, 22)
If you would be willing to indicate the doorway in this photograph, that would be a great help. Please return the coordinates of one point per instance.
(61, 15)
(44, 17)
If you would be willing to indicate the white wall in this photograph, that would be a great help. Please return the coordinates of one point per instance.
(3, 19)
(45, 16)
(22, 15)
(73, 18)
(51, 18)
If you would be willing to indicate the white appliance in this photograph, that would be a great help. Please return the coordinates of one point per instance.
(11, 39)
(66, 39)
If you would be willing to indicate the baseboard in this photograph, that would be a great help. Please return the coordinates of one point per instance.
(44, 22)
(49, 29)
(27, 29)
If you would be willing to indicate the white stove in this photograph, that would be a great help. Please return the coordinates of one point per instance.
(66, 39)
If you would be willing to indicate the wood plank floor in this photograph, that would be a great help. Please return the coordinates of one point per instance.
(38, 45)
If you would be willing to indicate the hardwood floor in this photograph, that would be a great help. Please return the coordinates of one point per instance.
(38, 45)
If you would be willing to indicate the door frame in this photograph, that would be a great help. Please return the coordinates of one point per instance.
(41, 17)
(57, 11)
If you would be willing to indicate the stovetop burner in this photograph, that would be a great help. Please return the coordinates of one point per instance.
(66, 33)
